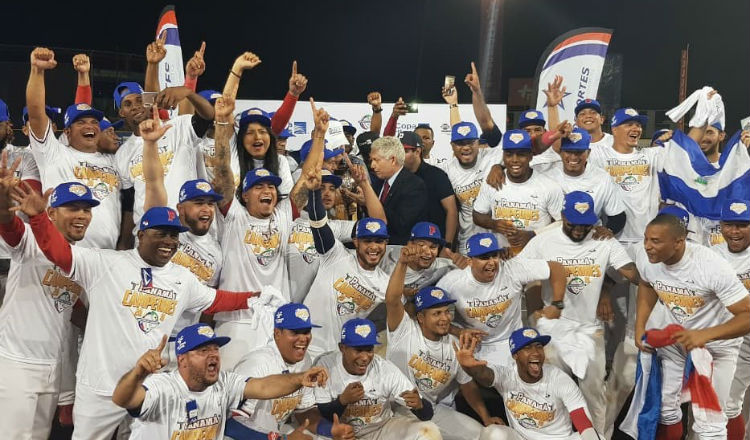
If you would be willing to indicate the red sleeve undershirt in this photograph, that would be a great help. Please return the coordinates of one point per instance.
(83, 95)
(580, 420)
(283, 114)
(35, 184)
(12, 232)
(390, 127)
(229, 301)
(51, 242)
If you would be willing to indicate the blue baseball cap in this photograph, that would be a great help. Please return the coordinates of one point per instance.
(254, 114)
(735, 210)
(192, 189)
(329, 177)
(327, 153)
(464, 131)
(124, 89)
(718, 125)
(69, 192)
(258, 175)
(678, 212)
(588, 103)
(623, 115)
(359, 332)
(293, 316)
(526, 336)
(578, 140)
(348, 127)
(161, 216)
(531, 117)
(105, 124)
(76, 111)
(210, 95)
(52, 112)
(431, 296)
(369, 227)
(578, 208)
(4, 115)
(516, 140)
(195, 336)
(482, 243)
(426, 231)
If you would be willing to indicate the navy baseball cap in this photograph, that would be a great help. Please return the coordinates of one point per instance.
(526, 336)
(52, 112)
(69, 192)
(409, 139)
(735, 210)
(76, 111)
(196, 336)
(424, 125)
(578, 208)
(364, 141)
(359, 332)
(192, 189)
(105, 124)
(578, 140)
(369, 227)
(623, 115)
(254, 114)
(678, 212)
(516, 140)
(4, 115)
(161, 216)
(431, 296)
(464, 131)
(210, 95)
(258, 175)
(588, 103)
(293, 316)
(531, 117)
(327, 153)
(348, 127)
(124, 89)
(426, 231)
(482, 243)
(328, 177)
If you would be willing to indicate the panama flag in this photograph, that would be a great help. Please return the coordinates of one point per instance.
(688, 178)
(578, 56)
(171, 68)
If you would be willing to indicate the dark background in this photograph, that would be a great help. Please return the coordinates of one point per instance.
(402, 48)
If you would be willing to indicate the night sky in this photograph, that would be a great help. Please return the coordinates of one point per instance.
(404, 48)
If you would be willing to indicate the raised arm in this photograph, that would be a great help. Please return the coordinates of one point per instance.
(41, 59)
(481, 111)
(279, 385)
(11, 227)
(297, 85)
(153, 171)
(450, 96)
(224, 129)
(399, 109)
(129, 392)
(555, 93)
(82, 65)
(376, 102)
(393, 295)
(194, 68)
(372, 203)
(246, 61)
(155, 52)
(478, 370)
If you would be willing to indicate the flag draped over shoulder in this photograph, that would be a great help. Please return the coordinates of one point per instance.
(688, 178)
(171, 68)
(578, 56)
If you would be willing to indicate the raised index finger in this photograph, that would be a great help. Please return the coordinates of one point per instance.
(473, 68)
(162, 344)
(294, 67)
(312, 104)
(202, 50)
(162, 37)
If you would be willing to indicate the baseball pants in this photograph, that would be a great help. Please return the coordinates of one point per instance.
(404, 428)
(741, 381)
(28, 398)
(245, 337)
(95, 417)
(68, 367)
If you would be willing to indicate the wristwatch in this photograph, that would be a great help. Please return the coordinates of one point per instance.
(559, 304)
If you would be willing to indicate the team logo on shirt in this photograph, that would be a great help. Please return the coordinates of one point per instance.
(207, 428)
(101, 180)
(63, 291)
(579, 272)
(362, 413)
(468, 193)
(519, 213)
(628, 173)
(714, 235)
(429, 373)
(352, 296)
(682, 302)
(301, 238)
(528, 412)
(189, 258)
(489, 312)
(284, 406)
(264, 243)
(745, 279)
(149, 305)
(166, 157)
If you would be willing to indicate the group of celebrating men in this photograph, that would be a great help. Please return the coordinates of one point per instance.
(219, 284)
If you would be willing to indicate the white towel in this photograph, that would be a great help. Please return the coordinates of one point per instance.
(573, 342)
(706, 112)
(681, 110)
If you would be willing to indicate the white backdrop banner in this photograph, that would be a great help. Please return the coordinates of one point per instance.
(359, 114)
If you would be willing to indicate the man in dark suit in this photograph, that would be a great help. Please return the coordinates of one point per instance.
(403, 195)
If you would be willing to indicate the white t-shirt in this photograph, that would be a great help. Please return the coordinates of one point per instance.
(131, 306)
(178, 153)
(597, 183)
(416, 279)
(493, 307)
(529, 205)
(585, 262)
(59, 163)
(466, 183)
(607, 141)
(740, 262)
(287, 183)
(541, 410)
(636, 175)
(342, 290)
(164, 414)
(430, 365)
(383, 383)
(696, 290)
(549, 158)
(270, 415)
(254, 252)
(207, 161)
(302, 258)
(35, 313)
